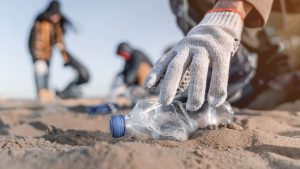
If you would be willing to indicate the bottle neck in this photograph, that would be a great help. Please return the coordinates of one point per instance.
(128, 126)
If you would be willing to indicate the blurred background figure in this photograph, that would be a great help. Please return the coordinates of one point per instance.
(137, 65)
(48, 30)
(127, 87)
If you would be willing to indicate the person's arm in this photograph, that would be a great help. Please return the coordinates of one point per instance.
(257, 17)
(259, 14)
(131, 77)
(61, 45)
(242, 7)
(256, 12)
(211, 43)
(131, 72)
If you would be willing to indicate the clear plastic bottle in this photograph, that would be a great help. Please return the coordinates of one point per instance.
(150, 119)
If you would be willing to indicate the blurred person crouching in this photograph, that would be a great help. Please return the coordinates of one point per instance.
(127, 87)
(131, 79)
(48, 30)
(137, 65)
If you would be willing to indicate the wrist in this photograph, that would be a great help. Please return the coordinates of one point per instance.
(226, 19)
(238, 6)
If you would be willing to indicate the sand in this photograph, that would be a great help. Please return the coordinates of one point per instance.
(60, 135)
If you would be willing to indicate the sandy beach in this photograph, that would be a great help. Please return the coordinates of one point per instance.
(62, 135)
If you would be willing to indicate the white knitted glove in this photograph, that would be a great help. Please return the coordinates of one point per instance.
(211, 43)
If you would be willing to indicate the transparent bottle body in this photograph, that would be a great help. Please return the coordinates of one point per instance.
(150, 119)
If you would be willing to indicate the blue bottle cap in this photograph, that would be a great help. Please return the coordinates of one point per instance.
(117, 126)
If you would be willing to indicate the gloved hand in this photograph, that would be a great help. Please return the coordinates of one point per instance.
(211, 43)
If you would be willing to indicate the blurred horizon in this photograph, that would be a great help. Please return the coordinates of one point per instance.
(102, 25)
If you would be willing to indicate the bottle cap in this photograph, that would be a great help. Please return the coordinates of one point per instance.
(117, 126)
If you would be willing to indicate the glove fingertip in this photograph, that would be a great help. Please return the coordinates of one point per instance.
(216, 101)
(193, 106)
(165, 100)
(150, 81)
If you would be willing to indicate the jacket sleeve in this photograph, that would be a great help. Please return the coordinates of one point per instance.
(258, 17)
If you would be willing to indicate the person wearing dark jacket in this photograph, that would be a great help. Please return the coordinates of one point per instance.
(48, 30)
(137, 65)
(127, 88)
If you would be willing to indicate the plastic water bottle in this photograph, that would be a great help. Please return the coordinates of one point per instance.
(150, 119)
